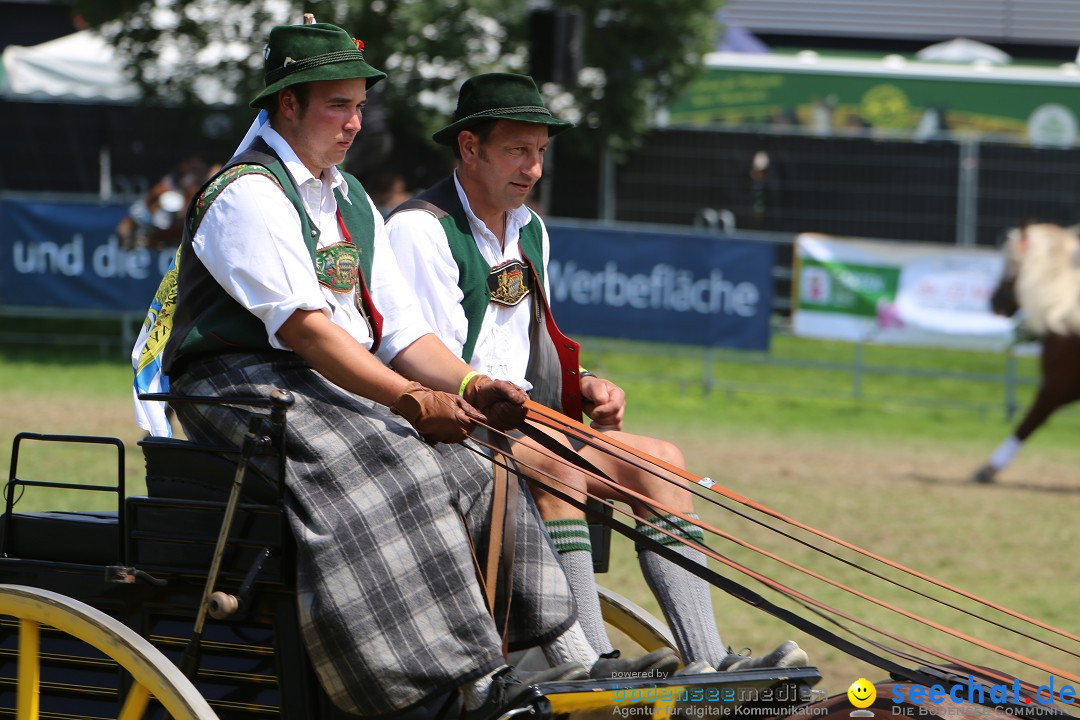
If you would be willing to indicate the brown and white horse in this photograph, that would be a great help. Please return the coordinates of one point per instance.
(1042, 278)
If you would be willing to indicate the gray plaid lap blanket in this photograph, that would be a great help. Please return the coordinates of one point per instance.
(391, 610)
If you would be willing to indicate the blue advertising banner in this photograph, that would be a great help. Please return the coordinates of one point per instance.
(605, 281)
(66, 255)
(688, 288)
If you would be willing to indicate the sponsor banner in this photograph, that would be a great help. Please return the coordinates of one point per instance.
(688, 288)
(841, 94)
(897, 293)
(66, 255)
(605, 281)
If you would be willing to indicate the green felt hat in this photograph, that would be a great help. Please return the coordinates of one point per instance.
(307, 53)
(499, 96)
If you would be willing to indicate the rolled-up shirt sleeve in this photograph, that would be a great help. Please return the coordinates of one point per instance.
(250, 242)
(426, 261)
(393, 297)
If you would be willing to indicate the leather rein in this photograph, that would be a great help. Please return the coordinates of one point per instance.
(539, 416)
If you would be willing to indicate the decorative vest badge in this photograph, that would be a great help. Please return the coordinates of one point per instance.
(508, 284)
(337, 266)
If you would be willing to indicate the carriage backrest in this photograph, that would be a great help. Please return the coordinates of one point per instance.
(193, 471)
(81, 537)
(188, 484)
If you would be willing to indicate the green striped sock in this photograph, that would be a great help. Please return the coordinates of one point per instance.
(684, 598)
(569, 535)
(681, 529)
(572, 542)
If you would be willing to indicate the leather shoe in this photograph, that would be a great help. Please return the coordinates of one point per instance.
(697, 667)
(789, 654)
(657, 664)
(512, 688)
(559, 673)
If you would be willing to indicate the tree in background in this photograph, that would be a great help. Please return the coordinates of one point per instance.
(638, 55)
(635, 56)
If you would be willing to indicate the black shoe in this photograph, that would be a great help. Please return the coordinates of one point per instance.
(511, 688)
(560, 673)
(697, 667)
(657, 664)
(789, 654)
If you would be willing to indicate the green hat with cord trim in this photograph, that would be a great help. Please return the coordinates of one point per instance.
(499, 96)
(309, 53)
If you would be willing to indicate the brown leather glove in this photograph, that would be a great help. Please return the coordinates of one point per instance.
(437, 416)
(503, 402)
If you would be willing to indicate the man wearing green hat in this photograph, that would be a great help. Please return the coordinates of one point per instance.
(284, 279)
(477, 258)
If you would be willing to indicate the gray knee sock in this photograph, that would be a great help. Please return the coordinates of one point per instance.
(571, 646)
(572, 542)
(684, 597)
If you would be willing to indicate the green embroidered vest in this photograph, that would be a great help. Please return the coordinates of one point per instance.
(553, 357)
(206, 319)
(473, 269)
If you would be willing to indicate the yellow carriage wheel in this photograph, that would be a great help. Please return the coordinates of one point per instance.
(637, 625)
(154, 674)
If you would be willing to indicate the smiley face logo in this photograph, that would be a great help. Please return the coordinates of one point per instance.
(861, 693)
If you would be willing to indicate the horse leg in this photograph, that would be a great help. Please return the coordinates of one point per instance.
(1060, 363)
(1045, 404)
(999, 459)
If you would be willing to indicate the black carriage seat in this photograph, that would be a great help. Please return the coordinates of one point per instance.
(84, 537)
(187, 470)
(174, 528)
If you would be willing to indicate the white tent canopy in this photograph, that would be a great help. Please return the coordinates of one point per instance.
(963, 50)
(80, 66)
(83, 67)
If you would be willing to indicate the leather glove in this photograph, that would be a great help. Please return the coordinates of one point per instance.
(437, 416)
(503, 402)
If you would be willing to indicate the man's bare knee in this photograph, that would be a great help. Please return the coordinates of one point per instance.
(668, 452)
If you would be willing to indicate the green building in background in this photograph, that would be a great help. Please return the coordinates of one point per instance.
(888, 96)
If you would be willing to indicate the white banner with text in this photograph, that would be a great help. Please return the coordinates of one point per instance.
(897, 293)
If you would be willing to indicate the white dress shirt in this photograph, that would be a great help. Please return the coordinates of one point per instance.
(250, 241)
(418, 240)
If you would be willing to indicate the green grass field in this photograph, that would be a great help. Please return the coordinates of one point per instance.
(888, 470)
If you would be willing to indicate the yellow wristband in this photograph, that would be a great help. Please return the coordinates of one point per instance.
(465, 381)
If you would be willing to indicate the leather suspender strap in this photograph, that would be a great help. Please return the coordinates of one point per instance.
(364, 303)
(502, 540)
(495, 530)
(509, 537)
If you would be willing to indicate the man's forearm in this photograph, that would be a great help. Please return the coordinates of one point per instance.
(338, 357)
(430, 362)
